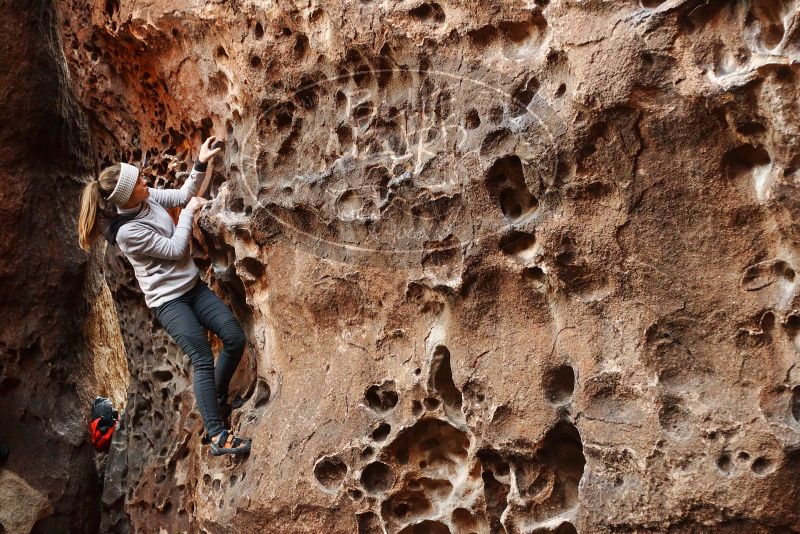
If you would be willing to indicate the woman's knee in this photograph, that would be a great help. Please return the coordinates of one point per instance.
(198, 350)
(233, 337)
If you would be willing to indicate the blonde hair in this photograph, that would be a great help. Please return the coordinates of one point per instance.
(92, 201)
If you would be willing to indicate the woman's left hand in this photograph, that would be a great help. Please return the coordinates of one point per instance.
(206, 153)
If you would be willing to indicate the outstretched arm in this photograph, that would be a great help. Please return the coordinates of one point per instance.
(169, 198)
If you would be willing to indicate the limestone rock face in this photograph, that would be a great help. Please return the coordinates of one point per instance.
(503, 266)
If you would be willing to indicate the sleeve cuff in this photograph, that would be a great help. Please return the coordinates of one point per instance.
(200, 167)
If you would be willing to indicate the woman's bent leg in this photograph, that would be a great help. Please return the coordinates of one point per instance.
(217, 317)
(178, 319)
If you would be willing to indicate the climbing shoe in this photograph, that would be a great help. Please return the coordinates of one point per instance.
(227, 443)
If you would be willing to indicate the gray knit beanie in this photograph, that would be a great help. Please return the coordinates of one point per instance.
(128, 177)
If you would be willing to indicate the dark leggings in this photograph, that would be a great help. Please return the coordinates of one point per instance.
(184, 318)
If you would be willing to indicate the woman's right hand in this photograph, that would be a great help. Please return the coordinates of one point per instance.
(207, 151)
(196, 203)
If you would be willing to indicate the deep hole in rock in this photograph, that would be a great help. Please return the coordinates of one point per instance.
(162, 375)
(377, 477)
(362, 75)
(566, 528)
(345, 135)
(495, 494)
(236, 205)
(750, 128)
(472, 120)
(404, 507)
(381, 397)
(369, 523)
(483, 36)
(522, 30)
(796, 403)
(464, 521)
(112, 6)
(505, 182)
(782, 269)
(793, 324)
(519, 244)
(300, 46)
(553, 475)
(436, 446)
(493, 462)
(402, 456)
(724, 463)
(330, 472)
(431, 403)
(283, 119)
(743, 158)
(258, 31)
(761, 465)
(767, 321)
(262, 393)
(253, 266)
(307, 94)
(535, 275)
(523, 97)
(441, 381)
(426, 527)
(559, 384)
(428, 12)
(341, 98)
(362, 112)
(385, 70)
(382, 432)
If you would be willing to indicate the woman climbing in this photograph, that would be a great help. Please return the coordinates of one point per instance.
(169, 279)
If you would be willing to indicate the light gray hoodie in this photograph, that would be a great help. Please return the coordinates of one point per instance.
(156, 247)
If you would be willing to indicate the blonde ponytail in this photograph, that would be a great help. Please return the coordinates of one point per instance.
(87, 220)
(92, 200)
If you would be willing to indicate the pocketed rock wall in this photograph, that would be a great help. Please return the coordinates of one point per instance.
(503, 267)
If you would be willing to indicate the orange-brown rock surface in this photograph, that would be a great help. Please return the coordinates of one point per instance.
(522, 267)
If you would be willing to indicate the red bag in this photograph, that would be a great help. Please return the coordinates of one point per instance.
(101, 440)
(104, 420)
